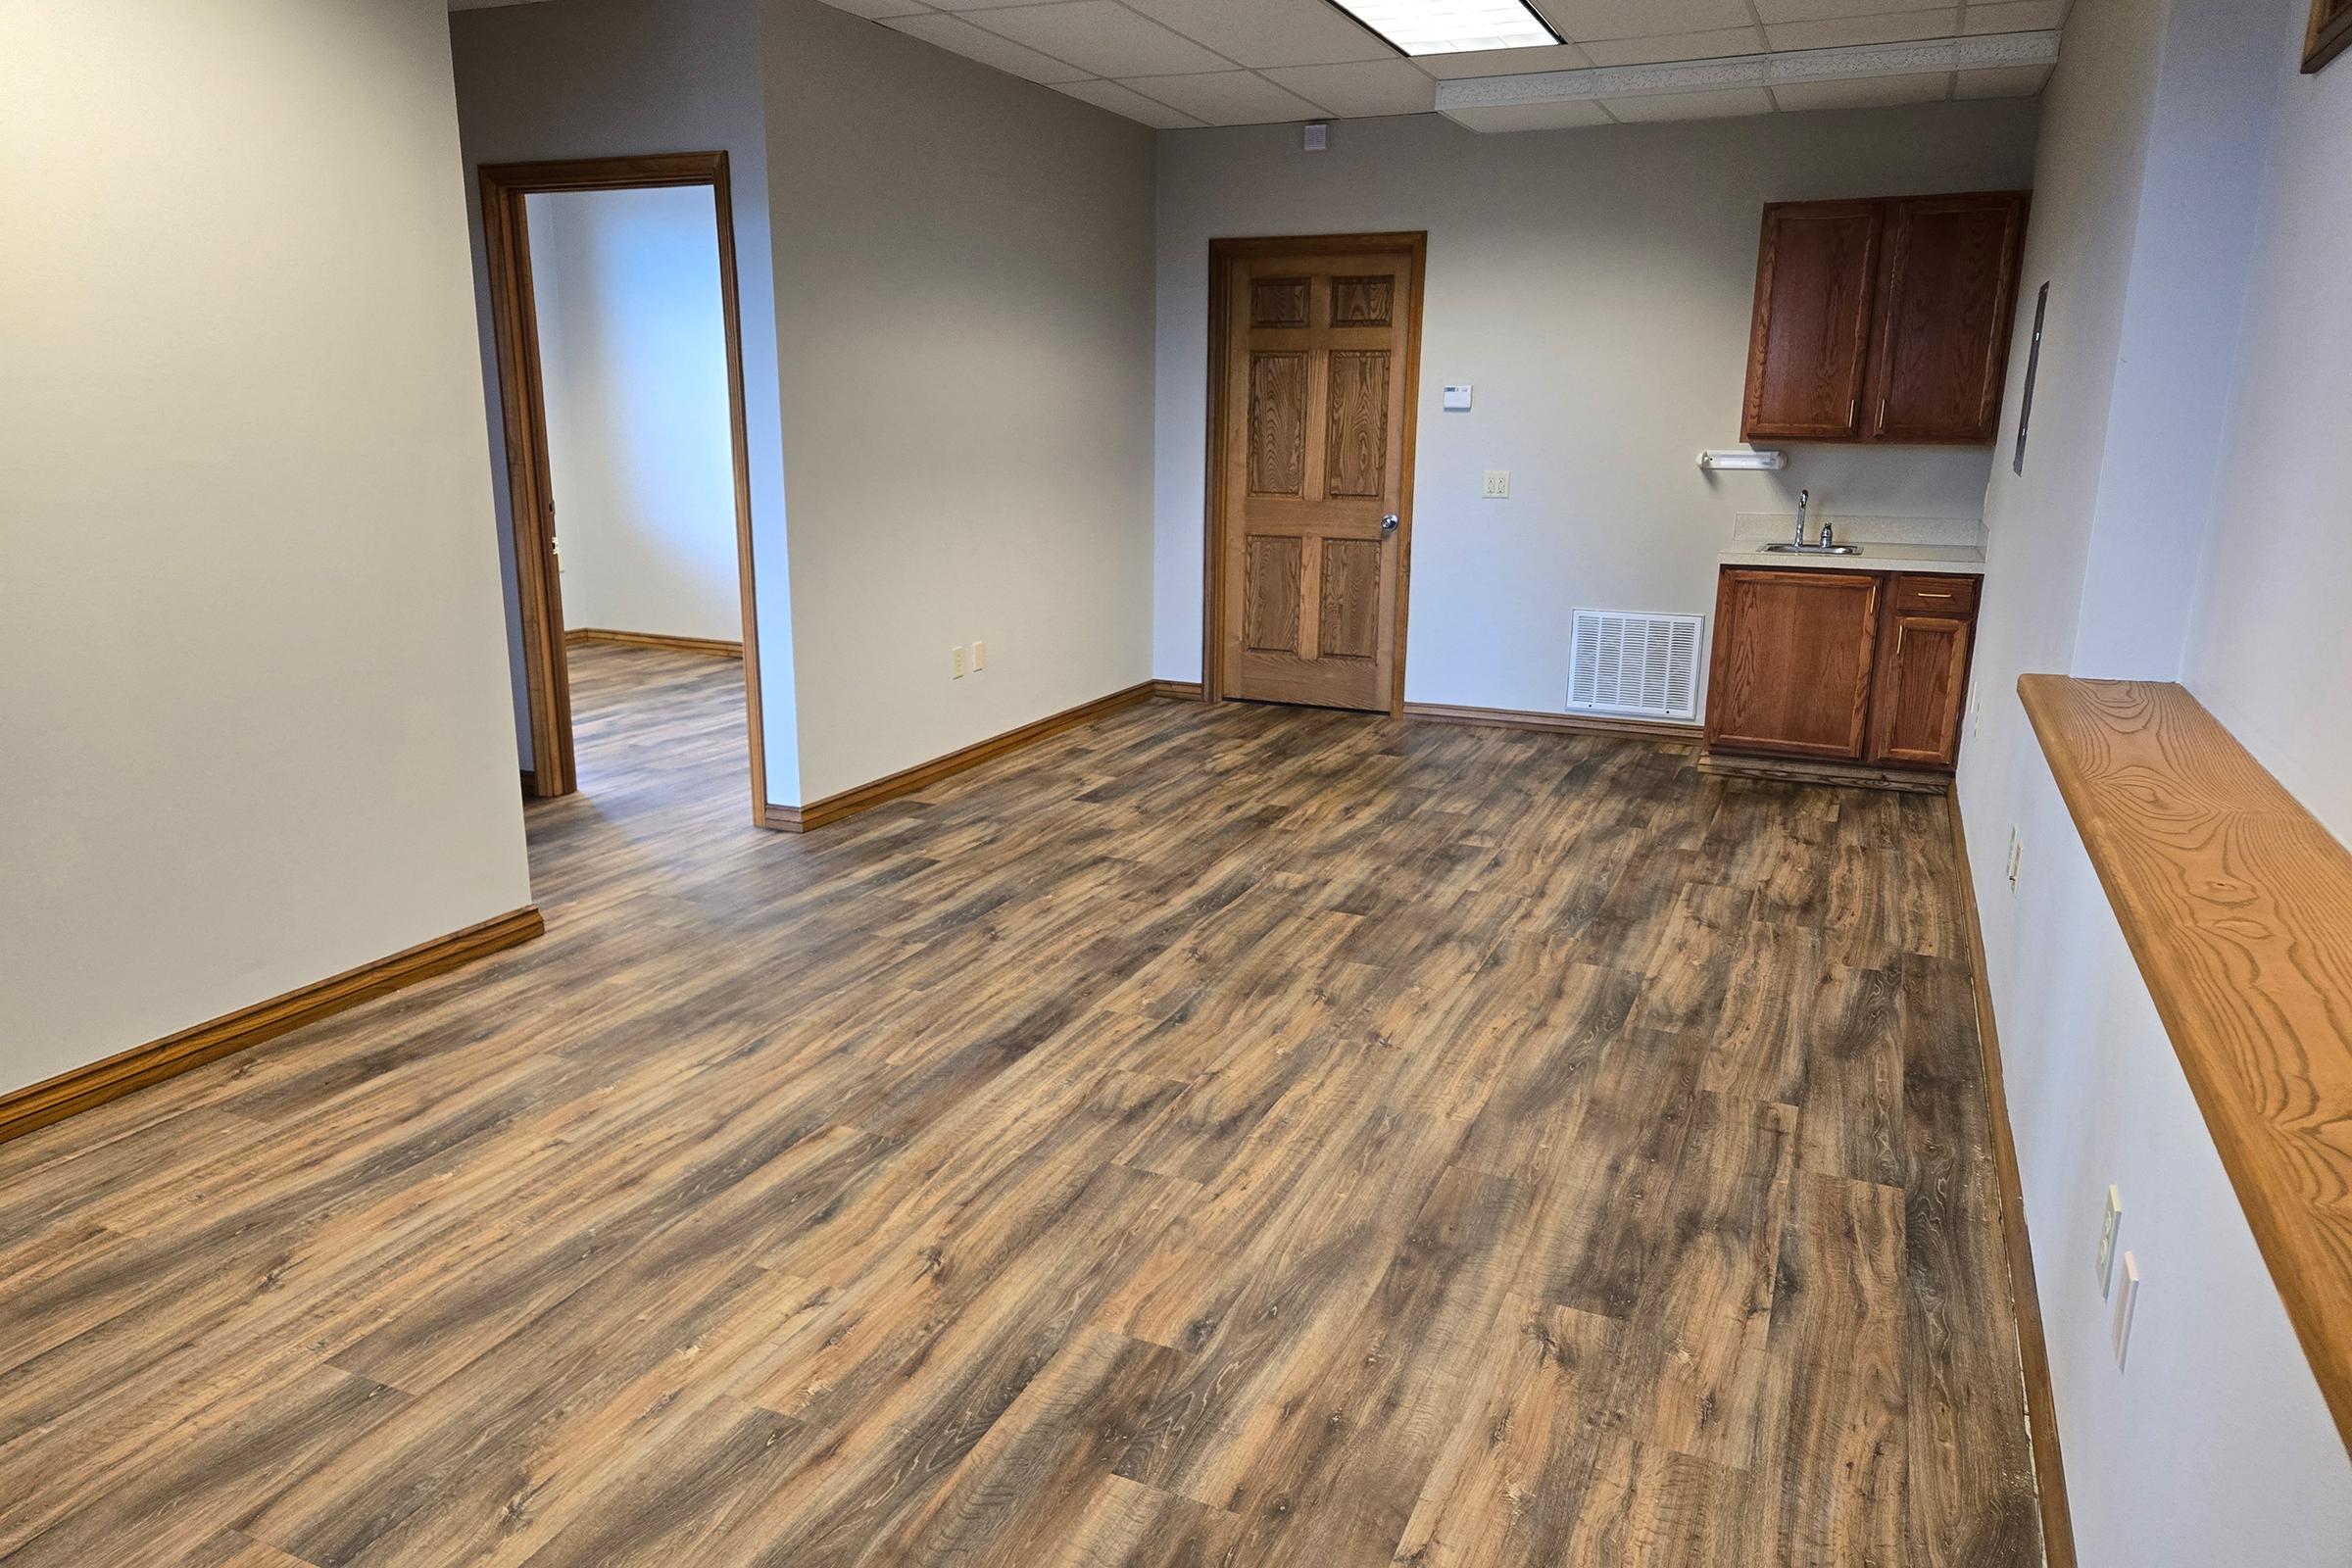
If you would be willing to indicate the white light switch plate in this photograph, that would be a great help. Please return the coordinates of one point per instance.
(1499, 484)
(979, 657)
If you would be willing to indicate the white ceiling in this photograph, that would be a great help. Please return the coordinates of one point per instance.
(1183, 63)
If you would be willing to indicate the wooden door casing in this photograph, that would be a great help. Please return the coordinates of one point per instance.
(1809, 347)
(1314, 375)
(1795, 652)
(1941, 352)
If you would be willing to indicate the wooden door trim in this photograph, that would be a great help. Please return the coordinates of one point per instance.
(523, 406)
(1223, 256)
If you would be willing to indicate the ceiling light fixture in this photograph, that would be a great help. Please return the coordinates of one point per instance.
(1452, 27)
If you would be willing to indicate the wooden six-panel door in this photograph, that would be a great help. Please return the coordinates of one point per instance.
(1314, 460)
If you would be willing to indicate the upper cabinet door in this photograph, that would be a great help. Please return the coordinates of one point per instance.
(1809, 351)
(1945, 311)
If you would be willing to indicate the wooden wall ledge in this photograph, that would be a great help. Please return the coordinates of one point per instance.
(2238, 905)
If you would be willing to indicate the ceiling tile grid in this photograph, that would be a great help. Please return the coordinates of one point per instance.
(1181, 64)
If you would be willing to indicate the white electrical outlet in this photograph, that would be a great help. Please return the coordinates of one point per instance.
(955, 664)
(1499, 484)
(2017, 857)
(979, 655)
(2126, 1302)
(2108, 1227)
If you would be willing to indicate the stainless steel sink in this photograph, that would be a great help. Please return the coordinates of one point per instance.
(1789, 549)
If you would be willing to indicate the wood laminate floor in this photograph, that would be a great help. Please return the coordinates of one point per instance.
(1219, 1135)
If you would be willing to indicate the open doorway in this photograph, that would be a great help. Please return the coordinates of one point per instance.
(621, 384)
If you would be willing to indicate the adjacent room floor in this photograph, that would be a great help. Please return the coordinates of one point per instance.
(1219, 1135)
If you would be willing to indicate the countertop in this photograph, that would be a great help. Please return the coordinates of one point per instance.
(1948, 559)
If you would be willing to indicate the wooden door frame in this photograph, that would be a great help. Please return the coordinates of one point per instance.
(1223, 256)
(522, 404)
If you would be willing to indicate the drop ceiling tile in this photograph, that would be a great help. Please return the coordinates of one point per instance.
(1712, 45)
(1505, 62)
(1268, 32)
(1370, 87)
(1229, 98)
(1865, 92)
(1528, 117)
(1102, 36)
(878, 10)
(2002, 81)
(1840, 32)
(2016, 15)
(1126, 101)
(1693, 105)
(1581, 21)
(975, 43)
(1772, 11)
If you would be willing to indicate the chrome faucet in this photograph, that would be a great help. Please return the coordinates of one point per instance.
(1829, 537)
(1805, 498)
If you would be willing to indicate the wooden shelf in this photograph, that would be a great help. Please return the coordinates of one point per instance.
(2238, 905)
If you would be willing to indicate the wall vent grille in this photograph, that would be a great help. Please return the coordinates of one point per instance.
(1623, 663)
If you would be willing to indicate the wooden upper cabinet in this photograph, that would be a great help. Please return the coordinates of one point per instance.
(1809, 351)
(1883, 321)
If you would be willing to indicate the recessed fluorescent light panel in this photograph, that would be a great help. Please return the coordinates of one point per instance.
(1452, 27)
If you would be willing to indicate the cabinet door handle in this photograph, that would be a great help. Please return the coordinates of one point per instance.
(1926, 595)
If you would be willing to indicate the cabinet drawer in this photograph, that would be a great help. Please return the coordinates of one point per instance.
(1946, 596)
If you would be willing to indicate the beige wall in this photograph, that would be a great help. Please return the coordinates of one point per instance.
(251, 689)
(963, 307)
(1595, 287)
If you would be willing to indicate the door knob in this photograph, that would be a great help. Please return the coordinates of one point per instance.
(1388, 524)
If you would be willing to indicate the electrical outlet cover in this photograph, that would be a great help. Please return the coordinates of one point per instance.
(955, 663)
(2109, 1226)
(1499, 484)
(2126, 1302)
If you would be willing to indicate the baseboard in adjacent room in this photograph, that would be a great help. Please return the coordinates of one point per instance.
(833, 807)
(1182, 691)
(2033, 1352)
(55, 1098)
(1648, 729)
(653, 638)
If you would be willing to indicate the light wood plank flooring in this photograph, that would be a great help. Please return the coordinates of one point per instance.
(1217, 1136)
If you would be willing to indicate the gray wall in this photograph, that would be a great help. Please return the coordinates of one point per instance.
(1595, 286)
(255, 726)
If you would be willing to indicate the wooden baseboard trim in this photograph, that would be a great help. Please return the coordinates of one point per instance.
(654, 639)
(530, 783)
(2034, 1351)
(1648, 729)
(1803, 770)
(1181, 691)
(55, 1098)
(833, 807)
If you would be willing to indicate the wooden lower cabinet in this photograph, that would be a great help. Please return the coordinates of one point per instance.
(1851, 666)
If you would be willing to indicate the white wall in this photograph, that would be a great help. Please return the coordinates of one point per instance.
(964, 295)
(633, 355)
(2271, 654)
(1595, 286)
(256, 731)
(948, 347)
(596, 78)
(2153, 177)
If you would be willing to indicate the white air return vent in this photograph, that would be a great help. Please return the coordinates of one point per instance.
(1621, 662)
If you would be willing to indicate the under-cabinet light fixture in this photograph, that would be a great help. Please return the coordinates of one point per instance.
(1742, 457)
(1452, 27)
